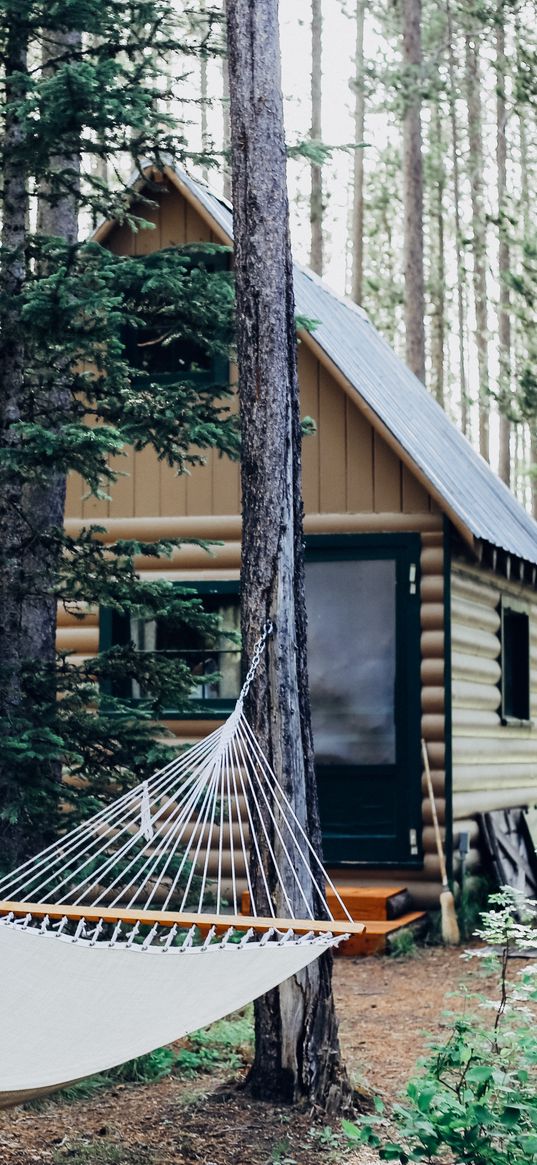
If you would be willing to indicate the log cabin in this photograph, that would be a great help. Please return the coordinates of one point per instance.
(421, 586)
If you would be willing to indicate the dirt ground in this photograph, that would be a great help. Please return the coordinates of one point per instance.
(385, 1005)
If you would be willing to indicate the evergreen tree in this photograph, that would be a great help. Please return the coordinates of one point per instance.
(75, 323)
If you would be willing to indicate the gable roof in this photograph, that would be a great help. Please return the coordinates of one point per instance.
(465, 485)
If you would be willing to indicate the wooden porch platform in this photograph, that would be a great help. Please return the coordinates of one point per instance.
(383, 910)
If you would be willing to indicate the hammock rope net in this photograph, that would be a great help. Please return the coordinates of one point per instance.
(132, 922)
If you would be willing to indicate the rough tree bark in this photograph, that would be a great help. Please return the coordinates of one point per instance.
(479, 232)
(357, 235)
(297, 1054)
(12, 366)
(413, 191)
(526, 203)
(316, 195)
(29, 511)
(204, 97)
(437, 275)
(461, 314)
(504, 318)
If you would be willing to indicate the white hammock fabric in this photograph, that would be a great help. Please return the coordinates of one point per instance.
(128, 933)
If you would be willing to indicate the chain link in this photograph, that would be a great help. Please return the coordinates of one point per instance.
(256, 659)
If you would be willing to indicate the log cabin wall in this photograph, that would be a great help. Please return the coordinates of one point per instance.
(494, 764)
(353, 482)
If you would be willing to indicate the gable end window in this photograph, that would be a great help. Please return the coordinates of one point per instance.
(515, 661)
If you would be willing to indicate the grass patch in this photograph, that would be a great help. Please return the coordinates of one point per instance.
(101, 1153)
(402, 944)
(225, 1046)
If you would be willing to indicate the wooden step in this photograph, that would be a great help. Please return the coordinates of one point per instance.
(374, 940)
(382, 909)
(364, 902)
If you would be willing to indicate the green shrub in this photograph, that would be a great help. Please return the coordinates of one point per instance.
(402, 944)
(144, 1069)
(476, 1098)
(225, 1045)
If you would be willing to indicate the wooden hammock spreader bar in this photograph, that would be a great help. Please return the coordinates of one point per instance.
(204, 922)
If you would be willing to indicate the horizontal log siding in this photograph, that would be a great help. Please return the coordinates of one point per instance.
(494, 764)
(189, 564)
(353, 482)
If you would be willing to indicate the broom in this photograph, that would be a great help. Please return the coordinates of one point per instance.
(451, 935)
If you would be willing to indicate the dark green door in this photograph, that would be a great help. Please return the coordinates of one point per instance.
(363, 643)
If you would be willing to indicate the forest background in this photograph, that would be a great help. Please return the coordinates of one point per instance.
(443, 96)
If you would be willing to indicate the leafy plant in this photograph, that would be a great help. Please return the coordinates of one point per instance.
(225, 1045)
(475, 1100)
(280, 1153)
(403, 944)
(326, 1137)
(144, 1069)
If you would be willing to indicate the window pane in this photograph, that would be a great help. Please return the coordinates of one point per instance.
(352, 655)
(515, 664)
(208, 656)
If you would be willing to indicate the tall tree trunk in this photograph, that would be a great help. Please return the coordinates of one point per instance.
(528, 340)
(413, 191)
(31, 512)
(504, 319)
(297, 1051)
(204, 97)
(357, 234)
(226, 134)
(12, 368)
(437, 278)
(316, 197)
(479, 232)
(461, 313)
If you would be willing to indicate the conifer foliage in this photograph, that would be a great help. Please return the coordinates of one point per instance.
(83, 98)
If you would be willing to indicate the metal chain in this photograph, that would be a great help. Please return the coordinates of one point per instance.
(256, 659)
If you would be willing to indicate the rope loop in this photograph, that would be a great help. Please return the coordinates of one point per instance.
(256, 660)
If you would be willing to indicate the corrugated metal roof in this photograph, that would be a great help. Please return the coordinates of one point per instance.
(470, 488)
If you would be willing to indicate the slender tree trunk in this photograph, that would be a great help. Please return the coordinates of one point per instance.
(437, 279)
(357, 234)
(504, 319)
(413, 191)
(226, 140)
(461, 312)
(12, 367)
(44, 503)
(30, 512)
(316, 198)
(527, 341)
(479, 233)
(297, 1052)
(204, 97)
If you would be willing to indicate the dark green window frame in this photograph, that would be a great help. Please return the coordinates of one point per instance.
(202, 709)
(515, 685)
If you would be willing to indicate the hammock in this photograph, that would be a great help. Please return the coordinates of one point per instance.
(127, 933)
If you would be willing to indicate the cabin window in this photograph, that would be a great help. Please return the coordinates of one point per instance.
(515, 660)
(214, 659)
